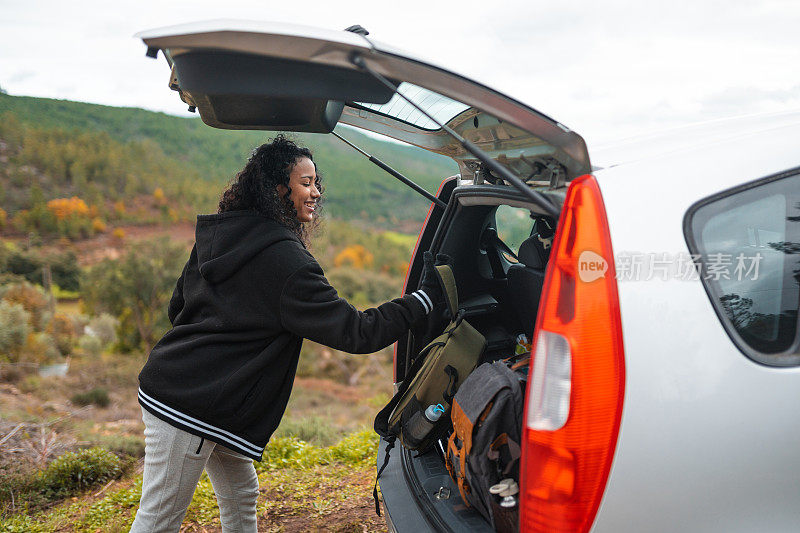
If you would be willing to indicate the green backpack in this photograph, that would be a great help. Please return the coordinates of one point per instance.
(432, 381)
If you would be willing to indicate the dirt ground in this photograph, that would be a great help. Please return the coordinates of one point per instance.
(354, 514)
(46, 423)
(105, 246)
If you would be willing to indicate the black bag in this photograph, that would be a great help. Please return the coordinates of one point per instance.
(484, 447)
(433, 379)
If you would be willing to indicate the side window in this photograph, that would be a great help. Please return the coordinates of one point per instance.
(513, 226)
(747, 242)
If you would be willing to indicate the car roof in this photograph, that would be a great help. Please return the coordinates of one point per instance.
(696, 136)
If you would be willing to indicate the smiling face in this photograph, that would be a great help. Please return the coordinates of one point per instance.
(303, 183)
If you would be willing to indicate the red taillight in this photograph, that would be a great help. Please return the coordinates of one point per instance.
(577, 378)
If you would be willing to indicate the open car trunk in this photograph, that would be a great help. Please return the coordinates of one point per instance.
(483, 231)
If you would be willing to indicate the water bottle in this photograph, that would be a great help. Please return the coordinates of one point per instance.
(420, 424)
(434, 412)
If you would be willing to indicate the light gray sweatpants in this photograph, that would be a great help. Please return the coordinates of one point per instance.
(173, 463)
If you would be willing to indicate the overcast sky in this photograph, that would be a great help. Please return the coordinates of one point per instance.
(607, 69)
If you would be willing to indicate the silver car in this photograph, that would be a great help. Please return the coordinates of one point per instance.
(664, 385)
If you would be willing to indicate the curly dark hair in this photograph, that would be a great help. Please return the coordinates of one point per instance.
(255, 187)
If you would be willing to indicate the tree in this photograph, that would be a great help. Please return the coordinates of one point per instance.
(32, 298)
(136, 289)
(737, 309)
(355, 255)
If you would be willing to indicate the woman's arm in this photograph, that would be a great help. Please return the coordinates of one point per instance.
(311, 308)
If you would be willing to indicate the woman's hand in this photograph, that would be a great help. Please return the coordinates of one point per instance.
(430, 280)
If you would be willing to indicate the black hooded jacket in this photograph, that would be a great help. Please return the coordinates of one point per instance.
(248, 296)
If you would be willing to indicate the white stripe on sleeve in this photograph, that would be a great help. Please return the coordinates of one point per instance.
(427, 299)
(424, 302)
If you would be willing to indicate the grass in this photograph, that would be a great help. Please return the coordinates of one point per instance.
(72, 473)
(97, 396)
(312, 429)
(68, 306)
(402, 239)
(130, 445)
(302, 487)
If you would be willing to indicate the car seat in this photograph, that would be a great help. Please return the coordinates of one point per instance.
(526, 278)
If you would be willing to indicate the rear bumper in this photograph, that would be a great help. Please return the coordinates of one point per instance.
(401, 510)
(420, 497)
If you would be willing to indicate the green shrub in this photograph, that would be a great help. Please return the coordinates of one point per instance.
(91, 345)
(21, 263)
(75, 471)
(14, 329)
(7, 278)
(104, 327)
(29, 264)
(41, 348)
(65, 269)
(65, 476)
(97, 396)
(12, 484)
(377, 401)
(356, 449)
(64, 294)
(136, 288)
(62, 329)
(290, 452)
(364, 288)
(12, 374)
(307, 364)
(30, 383)
(124, 445)
(313, 429)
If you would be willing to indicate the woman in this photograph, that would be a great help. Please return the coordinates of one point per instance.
(216, 385)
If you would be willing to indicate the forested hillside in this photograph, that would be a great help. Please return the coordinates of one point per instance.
(91, 150)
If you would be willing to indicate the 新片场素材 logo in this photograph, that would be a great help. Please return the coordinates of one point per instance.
(639, 266)
(591, 266)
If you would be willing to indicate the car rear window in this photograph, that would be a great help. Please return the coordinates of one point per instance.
(440, 107)
(513, 226)
(747, 244)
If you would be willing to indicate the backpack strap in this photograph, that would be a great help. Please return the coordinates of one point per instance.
(448, 283)
(452, 455)
(389, 446)
(513, 449)
(463, 428)
(455, 452)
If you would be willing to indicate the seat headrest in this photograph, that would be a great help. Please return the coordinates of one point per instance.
(535, 251)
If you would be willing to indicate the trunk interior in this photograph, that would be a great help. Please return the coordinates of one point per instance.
(499, 245)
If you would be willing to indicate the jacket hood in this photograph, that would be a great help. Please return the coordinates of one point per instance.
(227, 241)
